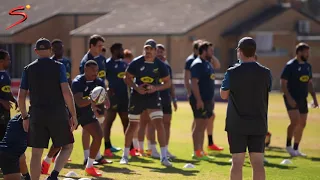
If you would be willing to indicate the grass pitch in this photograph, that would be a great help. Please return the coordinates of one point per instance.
(144, 168)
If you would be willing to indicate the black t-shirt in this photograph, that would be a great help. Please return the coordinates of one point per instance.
(249, 85)
(298, 77)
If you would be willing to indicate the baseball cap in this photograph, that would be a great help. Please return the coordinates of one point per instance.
(151, 43)
(160, 46)
(246, 42)
(43, 44)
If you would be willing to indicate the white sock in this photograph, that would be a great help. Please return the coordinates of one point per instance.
(153, 148)
(135, 143)
(48, 160)
(163, 152)
(126, 152)
(86, 153)
(89, 163)
(141, 144)
(149, 145)
(98, 156)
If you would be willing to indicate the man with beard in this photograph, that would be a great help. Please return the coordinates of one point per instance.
(296, 82)
(143, 75)
(201, 98)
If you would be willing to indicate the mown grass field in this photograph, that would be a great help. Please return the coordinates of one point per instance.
(181, 145)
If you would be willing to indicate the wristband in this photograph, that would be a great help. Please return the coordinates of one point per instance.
(174, 100)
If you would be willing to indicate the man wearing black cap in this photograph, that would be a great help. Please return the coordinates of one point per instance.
(49, 92)
(247, 86)
(147, 70)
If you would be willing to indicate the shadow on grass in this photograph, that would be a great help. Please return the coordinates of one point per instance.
(105, 168)
(121, 170)
(77, 178)
(177, 160)
(223, 156)
(279, 166)
(277, 156)
(170, 170)
(141, 159)
(276, 149)
(314, 159)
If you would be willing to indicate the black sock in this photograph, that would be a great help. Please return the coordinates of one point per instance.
(289, 142)
(107, 145)
(295, 146)
(54, 174)
(131, 147)
(26, 176)
(210, 141)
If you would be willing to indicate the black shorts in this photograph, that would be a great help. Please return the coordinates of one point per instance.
(9, 164)
(118, 104)
(239, 143)
(302, 105)
(138, 103)
(204, 113)
(49, 123)
(166, 105)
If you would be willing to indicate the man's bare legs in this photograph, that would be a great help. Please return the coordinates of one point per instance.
(257, 163)
(35, 163)
(236, 167)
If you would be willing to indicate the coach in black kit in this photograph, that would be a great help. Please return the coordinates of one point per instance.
(247, 86)
(49, 92)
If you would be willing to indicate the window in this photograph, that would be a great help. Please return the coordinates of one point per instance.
(264, 42)
(21, 55)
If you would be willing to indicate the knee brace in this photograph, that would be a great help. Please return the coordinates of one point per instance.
(156, 115)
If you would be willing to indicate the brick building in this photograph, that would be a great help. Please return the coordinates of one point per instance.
(277, 28)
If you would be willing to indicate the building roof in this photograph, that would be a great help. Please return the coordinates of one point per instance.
(260, 18)
(156, 17)
(45, 9)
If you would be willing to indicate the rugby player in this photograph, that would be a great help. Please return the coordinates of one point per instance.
(12, 148)
(49, 93)
(187, 83)
(6, 97)
(87, 113)
(118, 93)
(95, 49)
(201, 98)
(58, 51)
(128, 56)
(296, 82)
(167, 96)
(147, 70)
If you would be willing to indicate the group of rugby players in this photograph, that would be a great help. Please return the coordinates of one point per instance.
(139, 90)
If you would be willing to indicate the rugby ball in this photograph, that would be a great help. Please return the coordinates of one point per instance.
(98, 95)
